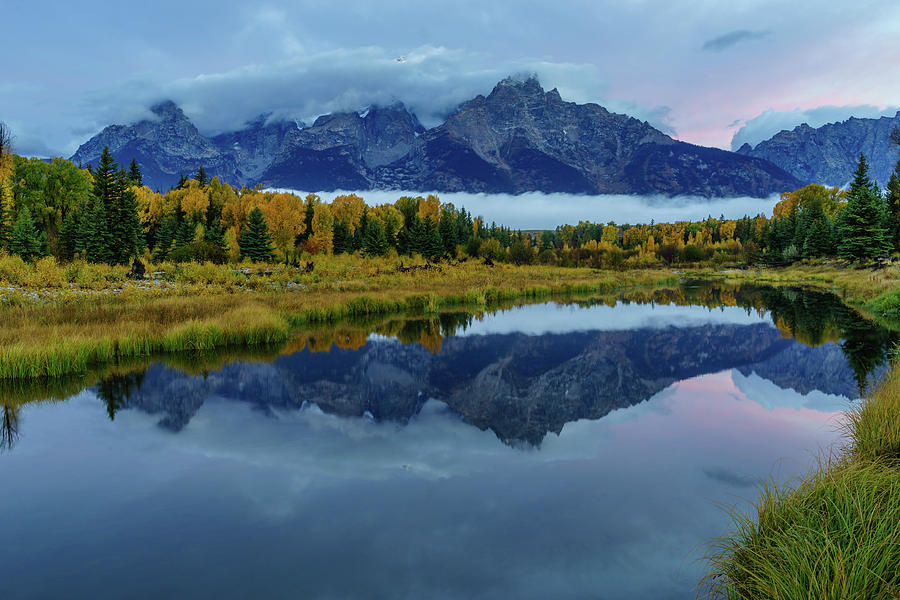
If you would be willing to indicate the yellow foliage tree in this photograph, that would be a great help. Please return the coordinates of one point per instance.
(348, 210)
(430, 207)
(286, 217)
(322, 238)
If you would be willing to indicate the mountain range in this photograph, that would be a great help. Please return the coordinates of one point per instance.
(519, 386)
(519, 138)
(828, 154)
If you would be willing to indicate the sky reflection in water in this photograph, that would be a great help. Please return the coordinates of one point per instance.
(269, 501)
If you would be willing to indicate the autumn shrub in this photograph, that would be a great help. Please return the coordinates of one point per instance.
(14, 270)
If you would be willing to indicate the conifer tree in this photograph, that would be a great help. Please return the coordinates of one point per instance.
(893, 202)
(448, 231)
(24, 239)
(135, 177)
(342, 241)
(256, 242)
(864, 221)
(185, 233)
(201, 176)
(376, 243)
(412, 239)
(68, 235)
(94, 237)
(125, 224)
(433, 245)
(165, 238)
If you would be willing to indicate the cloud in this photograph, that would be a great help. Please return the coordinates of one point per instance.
(770, 122)
(432, 82)
(732, 38)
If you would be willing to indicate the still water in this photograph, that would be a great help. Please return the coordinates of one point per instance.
(544, 451)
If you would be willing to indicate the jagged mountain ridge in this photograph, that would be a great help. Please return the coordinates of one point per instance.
(828, 154)
(521, 387)
(518, 138)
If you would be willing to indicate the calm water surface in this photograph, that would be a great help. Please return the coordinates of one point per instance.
(544, 451)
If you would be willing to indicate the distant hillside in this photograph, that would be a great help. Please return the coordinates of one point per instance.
(517, 139)
(828, 154)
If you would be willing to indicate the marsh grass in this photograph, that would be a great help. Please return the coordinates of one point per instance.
(212, 307)
(834, 534)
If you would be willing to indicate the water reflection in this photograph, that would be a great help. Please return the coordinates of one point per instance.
(577, 451)
(523, 372)
(317, 505)
(528, 371)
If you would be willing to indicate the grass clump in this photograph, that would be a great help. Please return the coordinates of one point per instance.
(832, 536)
(835, 534)
(874, 426)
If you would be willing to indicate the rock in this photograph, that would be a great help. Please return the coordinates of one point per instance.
(828, 155)
(517, 139)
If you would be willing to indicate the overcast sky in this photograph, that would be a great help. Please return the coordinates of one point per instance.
(701, 70)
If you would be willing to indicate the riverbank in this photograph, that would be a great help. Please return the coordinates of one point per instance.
(875, 292)
(833, 534)
(66, 328)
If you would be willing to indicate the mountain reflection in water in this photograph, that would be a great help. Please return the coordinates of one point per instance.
(547, 451)
(526, 372)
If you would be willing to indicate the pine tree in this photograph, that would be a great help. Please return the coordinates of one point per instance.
(256, 241)
(343, 241)
(165, 238)
(24, 239)
(376, 243)
(893, 202)
(412, 239)
(201, 176)
(68, 236)
(433, 245)
(448, 231)
(135, 177)
(864, 221)
(127, 239)
(93, 235)
(185, 233)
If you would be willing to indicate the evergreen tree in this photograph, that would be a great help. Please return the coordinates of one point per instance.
(412, 238)
(449, 232)
(433, 244)
(864, 221)
(376, 243)
(201, 176)
(343, 241)
(185, 233)
(93, 236)
(815, 229)
(256, 241)
(24, 239)
(68, 236)
(127, 240)
(135, 177)
(182, 181)
(893, 202)
(165, 239)
(215, 235)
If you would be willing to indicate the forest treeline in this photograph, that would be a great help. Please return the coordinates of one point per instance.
(104, 214)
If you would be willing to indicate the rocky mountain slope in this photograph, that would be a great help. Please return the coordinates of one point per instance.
(519, 138)
(828, 154)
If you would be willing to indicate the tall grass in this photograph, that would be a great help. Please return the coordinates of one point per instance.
(72, 332)
(835, 534)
